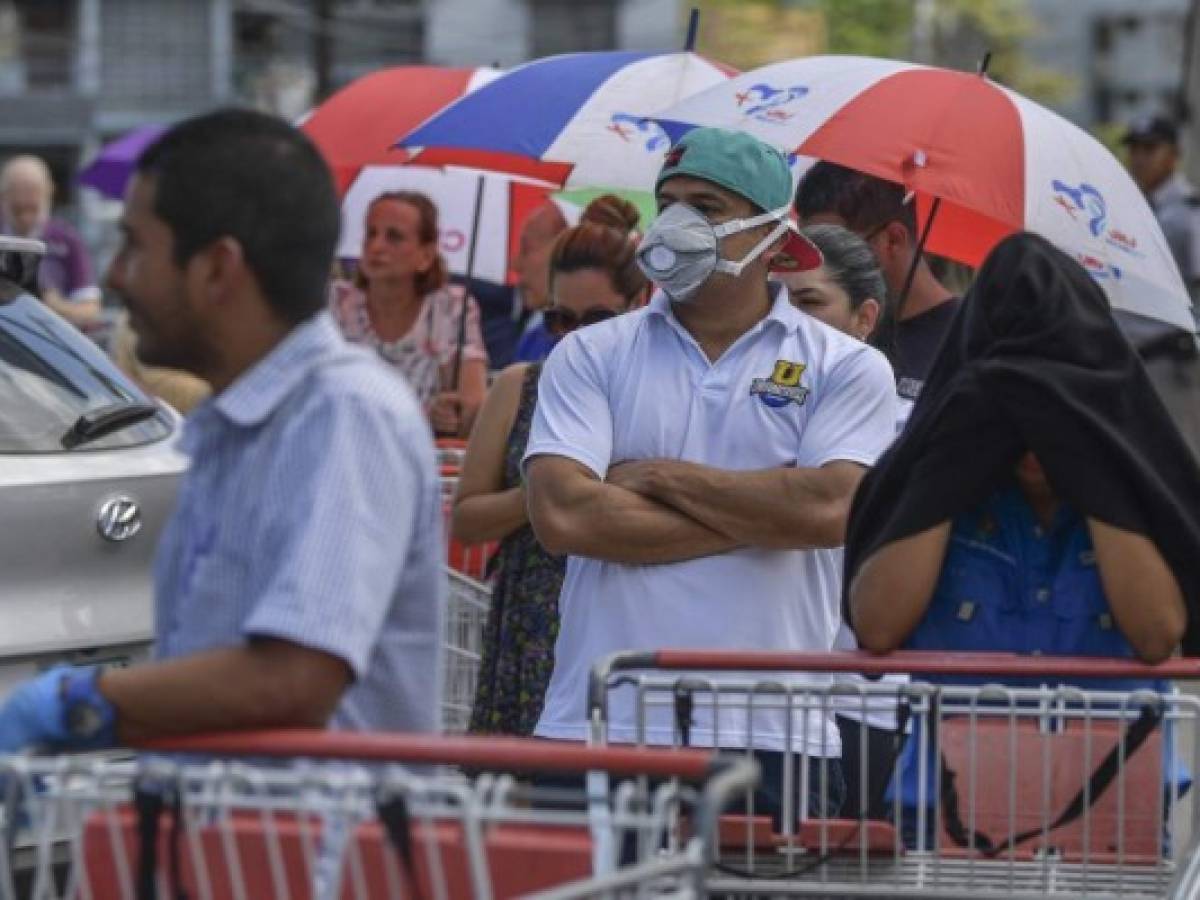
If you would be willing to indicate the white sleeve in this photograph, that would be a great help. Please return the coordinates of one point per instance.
(573, 417)
(855, 418)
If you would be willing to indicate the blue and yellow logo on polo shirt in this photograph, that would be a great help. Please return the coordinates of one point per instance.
(783, 387)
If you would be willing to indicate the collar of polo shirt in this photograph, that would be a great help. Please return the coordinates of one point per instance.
(782, 310)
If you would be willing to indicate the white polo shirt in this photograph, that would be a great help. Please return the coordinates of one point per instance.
(789, 392)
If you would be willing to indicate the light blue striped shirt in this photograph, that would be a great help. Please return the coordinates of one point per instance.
(312, 513)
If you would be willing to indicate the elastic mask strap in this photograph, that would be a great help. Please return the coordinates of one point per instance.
(733, 226)
(735, 268)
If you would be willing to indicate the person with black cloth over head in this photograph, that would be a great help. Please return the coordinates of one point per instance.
(1040, 499)
(1034, 376)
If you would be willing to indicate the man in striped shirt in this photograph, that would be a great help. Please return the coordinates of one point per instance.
(299, 580)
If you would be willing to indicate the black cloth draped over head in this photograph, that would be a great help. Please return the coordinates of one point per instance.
(1034, 360)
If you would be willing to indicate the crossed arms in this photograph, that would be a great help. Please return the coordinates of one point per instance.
(662, 511)
(649, 511)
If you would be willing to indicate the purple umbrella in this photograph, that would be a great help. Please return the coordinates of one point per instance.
(110, 170)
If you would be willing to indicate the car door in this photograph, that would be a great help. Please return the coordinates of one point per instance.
(88, 474)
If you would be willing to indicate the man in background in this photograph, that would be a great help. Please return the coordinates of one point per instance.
(501, 329)
(912, 328)
(1153, 144)
(66, 282)
(1170, 356)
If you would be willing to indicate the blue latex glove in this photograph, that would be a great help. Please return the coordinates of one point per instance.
(34, 715)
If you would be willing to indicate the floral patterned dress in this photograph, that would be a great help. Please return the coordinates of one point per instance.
(430, 345)
(522, 626)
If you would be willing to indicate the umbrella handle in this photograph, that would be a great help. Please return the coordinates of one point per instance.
(462, 319)
(888, 330)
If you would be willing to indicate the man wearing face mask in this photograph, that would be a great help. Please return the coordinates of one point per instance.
(690, 457)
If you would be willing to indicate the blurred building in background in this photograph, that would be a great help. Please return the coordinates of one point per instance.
(507, 32)
(1124, 57)
(77, 73)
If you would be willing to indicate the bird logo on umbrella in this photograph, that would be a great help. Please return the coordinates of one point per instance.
(766, 103)
(1085, 199)
(639, 129)
(1088, 200)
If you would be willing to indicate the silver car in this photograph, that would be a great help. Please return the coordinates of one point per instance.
(88, 474)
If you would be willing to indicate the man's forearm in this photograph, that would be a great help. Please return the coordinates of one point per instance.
(893, 587)
(772, 508)
(228, 688)
(1141, 590)
(616, 525)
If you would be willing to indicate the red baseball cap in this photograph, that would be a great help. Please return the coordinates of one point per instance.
(799, 254)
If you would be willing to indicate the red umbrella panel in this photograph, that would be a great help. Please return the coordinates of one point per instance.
(357, 126)
(963, 143)
(355, 129)
(995, 162)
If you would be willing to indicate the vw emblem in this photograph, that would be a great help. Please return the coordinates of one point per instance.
(119, 519)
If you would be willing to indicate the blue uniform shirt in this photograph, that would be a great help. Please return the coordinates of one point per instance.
(1009, 585)
(312, 514)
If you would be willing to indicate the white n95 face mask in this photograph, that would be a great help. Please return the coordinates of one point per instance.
(680, 251)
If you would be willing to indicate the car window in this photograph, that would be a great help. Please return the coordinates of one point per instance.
(50, 375)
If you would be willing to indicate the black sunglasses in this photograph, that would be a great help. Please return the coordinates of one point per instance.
(560, 321)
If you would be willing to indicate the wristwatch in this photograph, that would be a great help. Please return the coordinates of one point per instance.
(89, 719)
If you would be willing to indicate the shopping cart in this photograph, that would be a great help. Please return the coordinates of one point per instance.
(213, 827)
(468, 598)
(470, 559)
(1026, 791)
(467, 604)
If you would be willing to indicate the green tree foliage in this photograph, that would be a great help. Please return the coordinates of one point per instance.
(960, 32)
(867, 27)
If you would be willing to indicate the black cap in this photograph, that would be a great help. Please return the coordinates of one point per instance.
(1151, 130)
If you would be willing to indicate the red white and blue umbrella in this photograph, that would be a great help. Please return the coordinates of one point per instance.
(355, 129)
(994, 161)
(578, 120)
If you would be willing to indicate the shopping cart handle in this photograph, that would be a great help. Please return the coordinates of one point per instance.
(928, 662)
(912, 662)
(475, 752)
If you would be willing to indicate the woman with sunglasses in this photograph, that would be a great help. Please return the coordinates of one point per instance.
(593, 277)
